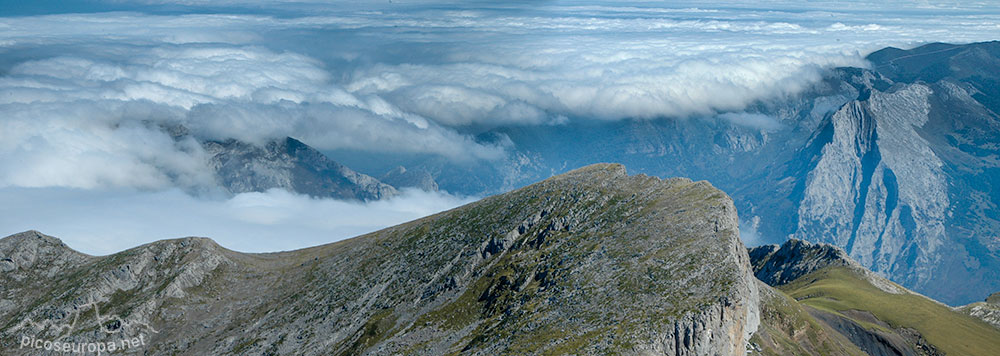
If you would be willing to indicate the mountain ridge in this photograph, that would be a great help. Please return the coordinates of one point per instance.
(583, 262)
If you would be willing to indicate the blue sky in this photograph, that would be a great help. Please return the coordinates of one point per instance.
(86, 86)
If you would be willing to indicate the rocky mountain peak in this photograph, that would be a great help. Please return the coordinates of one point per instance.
(827, 295)
(30, 237)
(600, 172)
(780, 264)
(291, 165)
(33, 251)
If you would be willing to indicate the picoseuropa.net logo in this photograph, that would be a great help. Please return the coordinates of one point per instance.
(99, 348)
(112, 325)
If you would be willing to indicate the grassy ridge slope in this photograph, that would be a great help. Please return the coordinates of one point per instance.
(841, 289)
(787, 328)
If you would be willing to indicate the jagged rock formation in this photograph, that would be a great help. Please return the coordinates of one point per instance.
(899, 175)
(31, 255)
(988, 310)
(821, 302)
(779, 264)
(876, 157)
(590, 262)
(291, 165)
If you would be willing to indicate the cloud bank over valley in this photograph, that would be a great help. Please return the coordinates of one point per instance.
(91, 101)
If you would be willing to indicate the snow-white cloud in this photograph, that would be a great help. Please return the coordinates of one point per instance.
(85, 97)
(75, 121)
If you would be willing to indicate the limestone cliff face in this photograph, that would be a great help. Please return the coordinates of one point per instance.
(590, 262)
(878, 189)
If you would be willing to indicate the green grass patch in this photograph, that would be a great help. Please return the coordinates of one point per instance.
(840, 289)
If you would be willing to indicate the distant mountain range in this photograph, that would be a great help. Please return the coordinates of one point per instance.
(898, 164)
(289, 164)
(590, 262)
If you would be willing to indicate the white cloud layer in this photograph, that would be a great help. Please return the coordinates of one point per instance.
(84, 97)
(106, 221)
(82, 91)
(88, 122)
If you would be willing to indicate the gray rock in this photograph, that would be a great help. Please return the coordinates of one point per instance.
(291, 165)
(988, 310)
(778, 265)
(878, 189)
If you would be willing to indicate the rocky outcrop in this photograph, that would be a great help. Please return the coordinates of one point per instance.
(901, 176)
(289, 164)
(988, 310)
(590, 262)
(31, 254)
(878, 189)
(779, 264)
(74, 298)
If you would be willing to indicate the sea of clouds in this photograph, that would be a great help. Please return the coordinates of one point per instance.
(84, 97)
